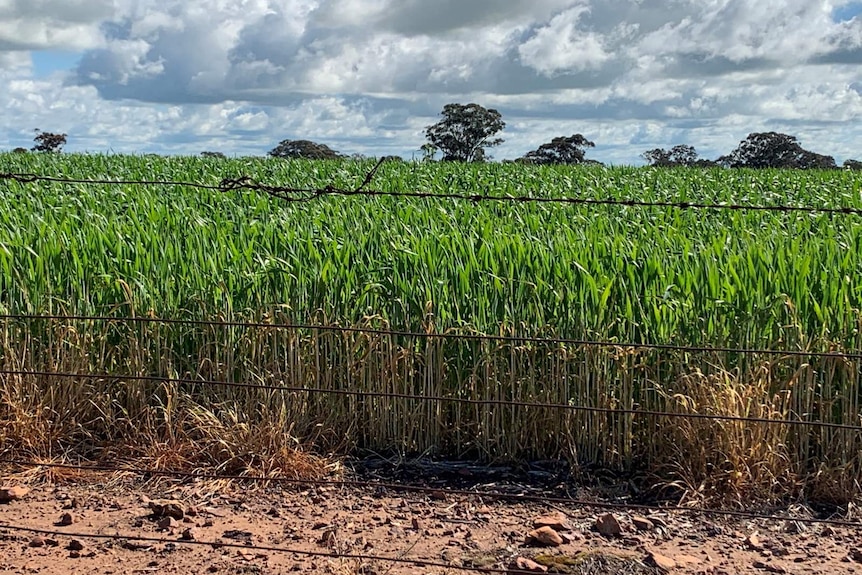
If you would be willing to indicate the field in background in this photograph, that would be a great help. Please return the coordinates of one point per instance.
(747, 279)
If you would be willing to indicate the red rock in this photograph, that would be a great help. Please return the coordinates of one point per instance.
(556, 521)
(167, 523)
(544, 536)
(13, 493)
(642, 523)
(66, 519)
(754, 542)
(609, 526)
(75, 545)
(663, 563)
(188, 534)
(521, 564)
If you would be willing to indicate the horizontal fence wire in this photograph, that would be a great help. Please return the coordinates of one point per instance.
(265, 548)
(449, 334)
(435, 491)
(431, 398)
(296, 194)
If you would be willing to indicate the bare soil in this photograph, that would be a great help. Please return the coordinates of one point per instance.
(227, 521)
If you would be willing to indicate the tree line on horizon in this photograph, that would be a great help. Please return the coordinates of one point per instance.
(466, 131)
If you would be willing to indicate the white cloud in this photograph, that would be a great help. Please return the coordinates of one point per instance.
(368, 75)
(52, 24)
(563, 46)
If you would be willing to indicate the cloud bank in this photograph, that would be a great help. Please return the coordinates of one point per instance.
(367, 75)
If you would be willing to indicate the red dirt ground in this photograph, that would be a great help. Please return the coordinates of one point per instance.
(447, 529)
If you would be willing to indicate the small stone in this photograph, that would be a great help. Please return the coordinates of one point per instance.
(855, 555)
(37, 542)
(167, 508)
(660, 561)
(754, 542)
(167, 523)
(609, 526)
(522, 564)
(544, 536)
(75, 545)
(642, 523)
(556, 521)
(768, 567)
(66, 519)
(208, 523)
(74, 554)
(13, 493)
(188, 534)
(416, 524)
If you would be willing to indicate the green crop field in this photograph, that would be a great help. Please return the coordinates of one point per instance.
(783, 280)
(641, 274)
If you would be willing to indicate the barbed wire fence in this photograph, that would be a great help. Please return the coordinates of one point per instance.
(294, 195)
(300, 194)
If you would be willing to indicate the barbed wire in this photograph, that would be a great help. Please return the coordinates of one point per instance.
(417, 562)
(435, 491)
(433, 398)
(449, 334)
(298, 194)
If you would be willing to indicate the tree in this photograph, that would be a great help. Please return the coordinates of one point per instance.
(464, 132)
(304, 149)
(852, 165)
(20, 151)
(208, 154)
(48, 142)
(560, 150)
(680, 155)
(774, 150)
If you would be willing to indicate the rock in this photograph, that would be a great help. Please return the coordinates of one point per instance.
(609, 526)
(522, 564)
(754, 542)
(167, 508)
(13, 493)
(544, 536)
(642, 523)
(37, 542)
(66, 519)
(768, 567)
(75, 545)
(556, 521)
(687, 560)
(188, 534)
(167, 522)
(855, 555)
(416, 523)
(660, 561)
(245, 555)
(74, 554)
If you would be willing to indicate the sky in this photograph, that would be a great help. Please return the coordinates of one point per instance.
(367, 76)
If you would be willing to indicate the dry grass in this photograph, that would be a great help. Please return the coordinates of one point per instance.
(258, 431)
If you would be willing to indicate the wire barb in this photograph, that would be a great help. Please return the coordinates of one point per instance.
(289, 194)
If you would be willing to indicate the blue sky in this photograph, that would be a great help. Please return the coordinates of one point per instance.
(847, 11)
(46, 62)
(366, 76)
